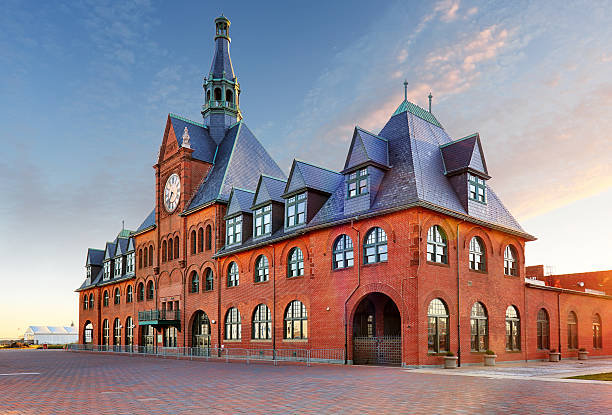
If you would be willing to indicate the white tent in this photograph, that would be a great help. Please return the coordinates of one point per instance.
(51, 335)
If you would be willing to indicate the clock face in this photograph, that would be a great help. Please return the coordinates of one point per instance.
(172, 192)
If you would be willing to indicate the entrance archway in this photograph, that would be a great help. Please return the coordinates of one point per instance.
(200, 334)
(377, 331)
(88, 333)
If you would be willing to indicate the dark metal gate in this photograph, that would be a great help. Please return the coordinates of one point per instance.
(385, 350)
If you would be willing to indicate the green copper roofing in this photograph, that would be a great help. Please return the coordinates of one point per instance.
(186, 120)
(125, 233)
(418, 111)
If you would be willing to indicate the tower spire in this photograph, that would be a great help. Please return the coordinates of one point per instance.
(405, 90)
(430, 97)
(221, 88)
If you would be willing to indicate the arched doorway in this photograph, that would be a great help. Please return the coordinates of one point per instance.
(88, 333)
(377, 331)
(200, 334)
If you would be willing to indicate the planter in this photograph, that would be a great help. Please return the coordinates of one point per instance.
(554, 357)
(450, 362)
(583, 355)
(489, 359)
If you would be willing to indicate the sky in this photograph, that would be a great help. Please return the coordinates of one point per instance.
(86, 87)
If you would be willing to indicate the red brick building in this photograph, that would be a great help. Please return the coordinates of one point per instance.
(405, 254)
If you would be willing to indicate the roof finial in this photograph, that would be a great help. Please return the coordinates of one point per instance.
(122, 225)
(405, 90)
(186, 143)
(430, 97)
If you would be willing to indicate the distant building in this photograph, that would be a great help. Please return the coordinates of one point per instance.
(51, 335)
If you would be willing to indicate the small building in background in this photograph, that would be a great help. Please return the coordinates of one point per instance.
(51, 335)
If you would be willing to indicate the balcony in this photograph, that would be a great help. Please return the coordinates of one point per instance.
(218, 104)
(159, 317)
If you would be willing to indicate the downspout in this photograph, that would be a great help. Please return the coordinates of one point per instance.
(353, 292)
(273, 302)
(524, 329)
(219, 276)
(458, 301)
(559, 319)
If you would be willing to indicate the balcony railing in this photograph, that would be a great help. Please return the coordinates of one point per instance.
(218, 104)
(158, 316)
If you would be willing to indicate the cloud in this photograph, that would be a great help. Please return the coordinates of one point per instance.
(448, 10)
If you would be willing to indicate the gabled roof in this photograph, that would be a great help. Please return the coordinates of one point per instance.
(109, 252)
(148, 222)
(308, 176)
(240, 160)
(203, 146)
(463, 154)
(367, 147)
(269, 189)
(95, 257)
(240, 201)
(130, 247)
(121, 245)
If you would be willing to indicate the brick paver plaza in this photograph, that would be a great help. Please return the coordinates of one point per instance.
(40, 382)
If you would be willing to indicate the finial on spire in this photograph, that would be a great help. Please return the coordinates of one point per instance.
(430, 97)
(405, 90)
(186, 143)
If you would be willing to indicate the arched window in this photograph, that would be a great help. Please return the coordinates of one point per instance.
(193, 242)
(105, 299)
(343, 252)
(150, 290)
(195, 282)
(572, 331)
(296, 321)
(477, 254)
(117, 296)
(233, 326)
(91, 301)
(176, 247)
(510, 267)
(200, 240)
(129, 294)
(295, 263)
(543, 332)
(146, 257)
(479, 328)
(151, 255)
(513, 329)
(85, 302)
(140, 258)
(117, 332)
(438, 336)
(217, 94)
(597, 343)
(170, 248)
(233, 277)
(208, 238)
(208, 279)
(141, 292)
(262, 323)
(375, 246)
(164, 251)
(208, 95)
(105, 332)
(262, 269)
(437, 245)
(229, 95)
(129, 331)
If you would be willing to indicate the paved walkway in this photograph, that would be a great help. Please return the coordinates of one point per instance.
(56, 382)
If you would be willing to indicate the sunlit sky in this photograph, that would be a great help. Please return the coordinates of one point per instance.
(85, 88)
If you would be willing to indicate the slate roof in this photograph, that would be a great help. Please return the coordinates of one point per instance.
(240, 160)
(95, 256)
(240, 201)
(308, 176)
(222, 63)
(121, 245)
(148, 222)
(269, 189)
(462, 154)
(203, 146)
(109, 252)
(367, 147)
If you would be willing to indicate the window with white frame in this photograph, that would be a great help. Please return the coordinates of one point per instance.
(262, 221)
(296, 210)
(129, 265)
(118, 264)
(436, 245)
(477, 254)
(233, 230)
(510, 261)
(262, 269)
(107, 270)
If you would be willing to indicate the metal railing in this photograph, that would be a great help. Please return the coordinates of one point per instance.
(226, 354)
(218, 104)
(149, 315)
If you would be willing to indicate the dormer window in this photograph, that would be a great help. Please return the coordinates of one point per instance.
(477, 188)
(129, 266)
(107, 270)
(357, 183)
(88, 271)
(296, 210)
(118, 263)
(262, 221)
(233, 230)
